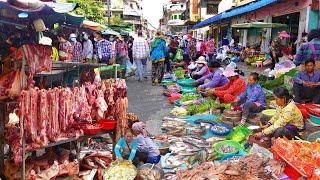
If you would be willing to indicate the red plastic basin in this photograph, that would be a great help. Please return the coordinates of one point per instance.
(108, 124)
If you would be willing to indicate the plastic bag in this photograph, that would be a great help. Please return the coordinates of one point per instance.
(239, 134)
(128, 65)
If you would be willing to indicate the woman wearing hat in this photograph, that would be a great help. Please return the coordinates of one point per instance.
(212, 80)
(202, 68)
(229, 92)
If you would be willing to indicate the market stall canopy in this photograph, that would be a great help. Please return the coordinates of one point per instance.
(94, 26)
(252, 6)
(110, 32)
(258, 25)
(50, 12)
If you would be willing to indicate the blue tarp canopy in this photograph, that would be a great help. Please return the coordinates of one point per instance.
(235, 12)
(247, 8)
(208, 21)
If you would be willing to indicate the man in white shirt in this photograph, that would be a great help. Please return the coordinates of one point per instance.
(140, 53)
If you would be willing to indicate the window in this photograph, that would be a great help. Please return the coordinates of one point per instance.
(180, 16)
(212, 9)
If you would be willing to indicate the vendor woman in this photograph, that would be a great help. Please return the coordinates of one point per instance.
(253, 100)
(147, 150)
(288, 120)
(202, 68)
(229, 92)
(126, 147)
(212, 80)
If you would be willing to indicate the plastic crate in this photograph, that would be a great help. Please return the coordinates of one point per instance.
(292, 172)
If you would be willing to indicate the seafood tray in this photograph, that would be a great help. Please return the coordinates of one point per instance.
(290, 170)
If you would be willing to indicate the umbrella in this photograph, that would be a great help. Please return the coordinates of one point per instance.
(258, 25)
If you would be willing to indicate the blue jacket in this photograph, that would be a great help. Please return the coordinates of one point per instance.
(158, 50)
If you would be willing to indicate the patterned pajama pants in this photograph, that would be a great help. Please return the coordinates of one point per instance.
(157, 71)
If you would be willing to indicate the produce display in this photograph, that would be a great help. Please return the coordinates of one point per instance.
(120, 171)
(179, 111)
(201, 106)
(179, 73)
(189, 97)
(248, 167)
(304, 156)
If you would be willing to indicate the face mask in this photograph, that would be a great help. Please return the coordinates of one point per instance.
(73, 39)
(85, 37)
(95, 39)
(111, 39)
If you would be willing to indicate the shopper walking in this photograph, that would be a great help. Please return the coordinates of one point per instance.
(140, 53)
(157, 53)
(103, 48)
(87, 52)
(130, 44)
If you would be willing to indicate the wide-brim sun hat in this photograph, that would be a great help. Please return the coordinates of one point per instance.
(201, 60)
(229, 71)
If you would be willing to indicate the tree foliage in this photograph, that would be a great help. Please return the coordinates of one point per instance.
(116, 20)
(92, 10)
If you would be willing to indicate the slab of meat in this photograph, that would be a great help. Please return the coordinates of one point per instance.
(122, 121)
(38, 57)
(32, 123)
(6, 83)
(62, 109)
(43, 117)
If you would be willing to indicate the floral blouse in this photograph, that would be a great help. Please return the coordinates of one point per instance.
(289, 114)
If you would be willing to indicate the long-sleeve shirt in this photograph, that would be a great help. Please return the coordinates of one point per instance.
(122, 146)
(146, 145)
(254, 93)
(217, 79)
(104, 49)
(210, 46)
(87, 51)
(140, 48)
(289, 114)
(203, 71)
(304, 76)
(235, 88)
(77, 51)
(305, 52)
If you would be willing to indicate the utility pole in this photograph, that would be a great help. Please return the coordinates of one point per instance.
(109, 13)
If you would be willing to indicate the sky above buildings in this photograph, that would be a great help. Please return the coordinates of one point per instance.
(152, 11)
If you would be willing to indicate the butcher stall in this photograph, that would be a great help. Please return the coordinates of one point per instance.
(55, 128)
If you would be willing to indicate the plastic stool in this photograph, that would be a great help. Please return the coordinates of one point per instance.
(259, 63)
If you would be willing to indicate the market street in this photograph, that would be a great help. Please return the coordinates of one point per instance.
(148, 103)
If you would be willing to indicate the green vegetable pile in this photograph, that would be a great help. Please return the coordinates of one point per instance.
(179, 73)
(204, 106)
(189, 97)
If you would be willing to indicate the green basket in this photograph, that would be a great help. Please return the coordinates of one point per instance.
(231, 143)
(188, 90)
(185, 82)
